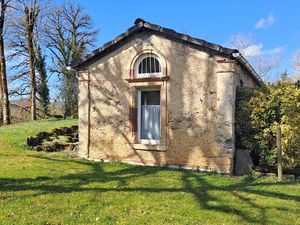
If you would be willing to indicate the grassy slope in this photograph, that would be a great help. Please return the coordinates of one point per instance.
(48, 188)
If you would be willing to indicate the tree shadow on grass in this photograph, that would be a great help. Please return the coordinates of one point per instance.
(196, 184)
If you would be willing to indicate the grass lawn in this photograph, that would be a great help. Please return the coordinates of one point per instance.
(49, 188)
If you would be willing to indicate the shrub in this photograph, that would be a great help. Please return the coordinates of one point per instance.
(258, 115)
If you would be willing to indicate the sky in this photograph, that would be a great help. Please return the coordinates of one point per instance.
(274, 25)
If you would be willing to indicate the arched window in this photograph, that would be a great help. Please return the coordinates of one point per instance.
(148, 66)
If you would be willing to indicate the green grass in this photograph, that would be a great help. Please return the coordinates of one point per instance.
(49, 188)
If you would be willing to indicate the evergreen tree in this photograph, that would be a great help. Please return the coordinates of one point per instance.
(42, 82)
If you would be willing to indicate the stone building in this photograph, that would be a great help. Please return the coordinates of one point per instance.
(154, 96)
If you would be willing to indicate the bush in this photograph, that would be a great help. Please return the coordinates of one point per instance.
(245, 132)
(258, 115)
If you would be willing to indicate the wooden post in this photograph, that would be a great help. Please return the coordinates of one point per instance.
(279, 154)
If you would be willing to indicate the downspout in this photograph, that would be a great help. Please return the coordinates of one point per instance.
(234, 134)
(166, 116)
(89, 115)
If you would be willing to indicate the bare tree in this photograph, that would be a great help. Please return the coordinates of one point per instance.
(296, 65)
(263, 61)
(25, 35)
(3, 77)
(69, 35)
(31, 13)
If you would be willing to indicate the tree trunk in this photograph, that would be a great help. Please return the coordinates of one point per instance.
(29, 26)
(4, 96)
(279, 154)
(3, 79)
(1, 90)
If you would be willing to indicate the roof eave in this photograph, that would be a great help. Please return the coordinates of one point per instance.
(141, 25)
(242, 60)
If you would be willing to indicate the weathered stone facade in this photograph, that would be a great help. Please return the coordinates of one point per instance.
(197, 105)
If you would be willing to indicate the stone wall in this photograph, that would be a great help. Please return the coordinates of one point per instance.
(199, 104)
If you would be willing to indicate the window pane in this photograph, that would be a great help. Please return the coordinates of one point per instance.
(157, 65)
(150, 97)
(144, 66)
(140, 68)
(152, 69)
(149, 65)
(150, 127)
(150, 115)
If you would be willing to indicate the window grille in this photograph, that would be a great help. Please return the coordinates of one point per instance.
(148, 66)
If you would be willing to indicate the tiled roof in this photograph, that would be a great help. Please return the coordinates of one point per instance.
(141, 25)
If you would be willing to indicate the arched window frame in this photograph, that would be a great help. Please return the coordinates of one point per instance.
(139, 57)
(147, 75)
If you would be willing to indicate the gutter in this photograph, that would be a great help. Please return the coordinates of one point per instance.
(89, 116)
(241, 59)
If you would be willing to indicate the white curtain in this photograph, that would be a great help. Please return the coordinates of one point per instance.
(150, 122)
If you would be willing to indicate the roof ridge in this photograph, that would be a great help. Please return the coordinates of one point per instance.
(140, 24)
(188, 37)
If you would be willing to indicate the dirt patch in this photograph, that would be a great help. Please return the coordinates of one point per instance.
(56, 140)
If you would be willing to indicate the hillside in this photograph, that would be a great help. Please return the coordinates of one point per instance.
(50, 188)
(20, 110)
